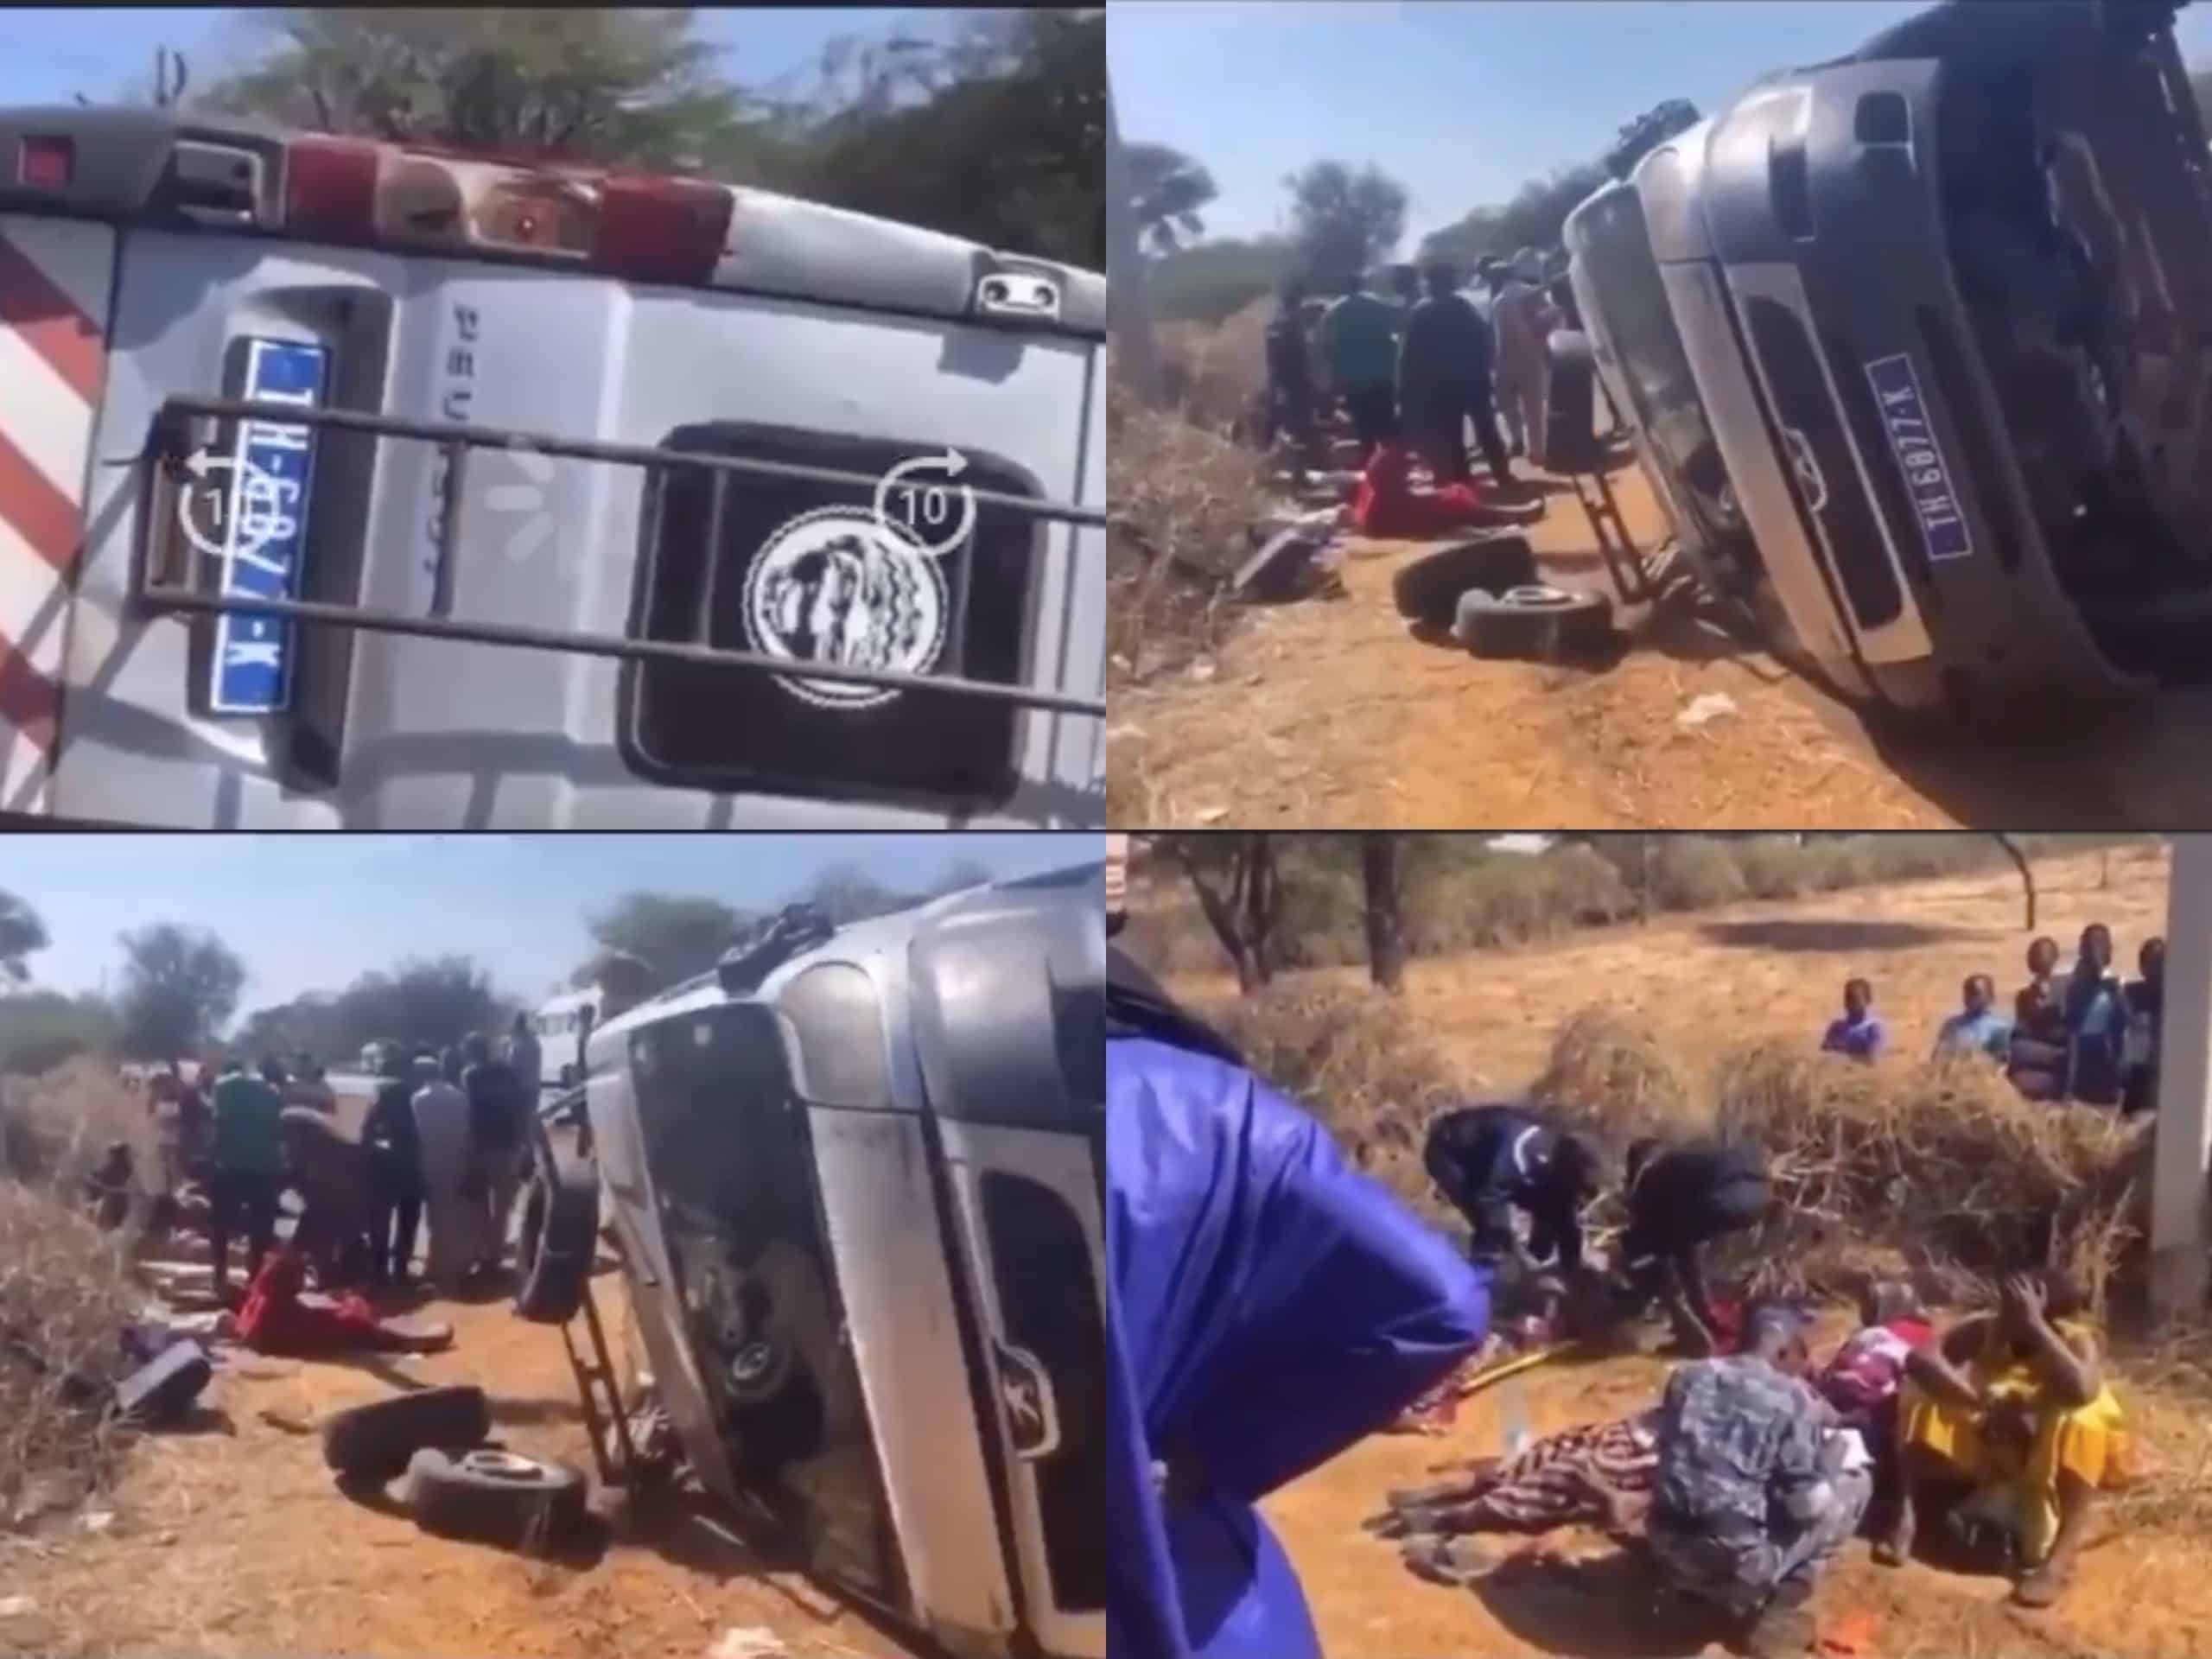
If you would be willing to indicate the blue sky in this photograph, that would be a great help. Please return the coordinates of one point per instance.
(312, 912)
(1461, 102)
(47, 53)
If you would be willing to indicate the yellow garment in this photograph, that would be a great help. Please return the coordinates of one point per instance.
(2089, 1442)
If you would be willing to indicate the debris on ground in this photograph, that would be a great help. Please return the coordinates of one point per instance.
(16, 1606)
(748, 1642)
(1706, 707)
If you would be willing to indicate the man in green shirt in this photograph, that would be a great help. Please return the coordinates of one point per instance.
(249, 1168)
(1360, 338)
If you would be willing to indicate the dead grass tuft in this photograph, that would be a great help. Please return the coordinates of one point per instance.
(1184, 500)
(65, 1295)
(1612, 1073)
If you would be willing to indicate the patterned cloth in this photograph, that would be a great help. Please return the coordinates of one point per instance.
(1742, 1501)
(1551, 1483)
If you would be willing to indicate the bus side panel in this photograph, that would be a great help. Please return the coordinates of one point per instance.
(56, 290)
(884, 1228)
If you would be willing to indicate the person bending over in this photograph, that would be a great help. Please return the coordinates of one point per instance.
(1679, 1200)
(1491, 1161)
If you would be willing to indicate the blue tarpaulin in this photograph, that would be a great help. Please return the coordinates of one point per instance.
(1269, 1306)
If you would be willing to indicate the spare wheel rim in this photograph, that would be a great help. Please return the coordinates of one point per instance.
(1538, 598)
(507, 1466)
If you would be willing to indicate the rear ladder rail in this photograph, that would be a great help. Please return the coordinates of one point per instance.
(166, 578)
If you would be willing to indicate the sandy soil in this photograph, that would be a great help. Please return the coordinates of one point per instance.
(1705, 983)
(1323, 713)
(233, 1540)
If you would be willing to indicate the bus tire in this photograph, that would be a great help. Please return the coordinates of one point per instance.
(559, 1240)
(374, 1442)
(1428, 590)
(495, 1497)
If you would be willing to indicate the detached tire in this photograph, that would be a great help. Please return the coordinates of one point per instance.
(374, 1442)
(1429, 589)
(494, 1497)
(1546, 623)
(559, 1240)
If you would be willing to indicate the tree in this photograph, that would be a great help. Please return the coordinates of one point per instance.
(39, 1030)
(847, 893)
(1534, 218)
(677, 936)
(1639, 138)
(1343, 222)
(22, 934)
(1234, 877)
(596, 84)
(1386, 933)
(998, 136)
(180, 985)
(1167, 189)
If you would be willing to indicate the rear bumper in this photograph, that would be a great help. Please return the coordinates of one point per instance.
(1835, 255)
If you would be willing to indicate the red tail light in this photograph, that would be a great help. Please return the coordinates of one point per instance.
(330, 187)
(662, 230)
(47, 163)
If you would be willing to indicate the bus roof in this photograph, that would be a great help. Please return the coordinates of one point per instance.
(192, 169)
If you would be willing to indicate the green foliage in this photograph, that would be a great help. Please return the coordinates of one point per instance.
(180, 985)
(41, 1029)
(1534, 218)
(1639, 138)
(1343, 222)
(22, 934)
(420, 1003)
(675, 935)
(1168, 189)
(998, 135)
(1215, 280)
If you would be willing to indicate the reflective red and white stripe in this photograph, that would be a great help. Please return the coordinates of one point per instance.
(55, 277)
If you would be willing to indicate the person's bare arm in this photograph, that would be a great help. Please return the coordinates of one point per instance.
(2074, 1371)
(1939, 1367)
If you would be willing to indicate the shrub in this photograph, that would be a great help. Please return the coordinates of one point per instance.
(1693, 873)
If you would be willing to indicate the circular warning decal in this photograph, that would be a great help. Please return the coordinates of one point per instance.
(839, 585)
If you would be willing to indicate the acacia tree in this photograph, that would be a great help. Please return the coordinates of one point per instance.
(1343, 222)
(1240, 893)
(21, 933)
(1166, 188)
(179, 985)
(1386, 932)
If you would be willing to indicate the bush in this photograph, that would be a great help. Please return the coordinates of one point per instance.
(1184, 500)
(1693, 873)
(65, 1296)
(41, 1029)
(54, 1129)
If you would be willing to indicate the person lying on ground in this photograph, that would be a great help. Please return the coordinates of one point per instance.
(1758, 1486)
(1977, 1028)
(2146, 1000)
(2010, 1412)
(1859, 1034)
(2036, 1060)
(1268, 1307)
(1679, 1200)
(274, 1321)
(2097, 1022)
(1593, 1475)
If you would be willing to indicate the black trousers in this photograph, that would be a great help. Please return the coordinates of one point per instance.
(395, 1219)
(1374, 411)
(242, 1200)
(1437, 426)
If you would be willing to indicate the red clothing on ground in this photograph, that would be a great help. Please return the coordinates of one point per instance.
(275, 1321)
(1384, 502)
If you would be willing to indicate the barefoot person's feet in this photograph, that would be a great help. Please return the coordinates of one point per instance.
(1894, 1547)
(2045, 1586)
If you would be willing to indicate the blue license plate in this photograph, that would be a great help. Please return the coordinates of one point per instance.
(271, 467)
(1927, 474)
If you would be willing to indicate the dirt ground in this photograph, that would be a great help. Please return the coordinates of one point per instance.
(1705, 983)
(1327, 713)
(232, 1539)
(1708, 981)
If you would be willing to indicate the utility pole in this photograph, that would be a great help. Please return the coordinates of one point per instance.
(1128, 306)
(2181, 1150)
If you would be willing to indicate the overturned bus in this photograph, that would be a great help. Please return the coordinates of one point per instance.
(853, 1179)
(1948, 304)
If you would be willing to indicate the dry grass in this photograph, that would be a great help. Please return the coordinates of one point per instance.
(1217, 371)
(1609, 1070)
(65, 1295)
(1184, 500)
(54, 1129)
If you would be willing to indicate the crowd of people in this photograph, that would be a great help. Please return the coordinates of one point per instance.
(446, 1140)
(1422, 365)
(2087, 1036)
(1271, 1306)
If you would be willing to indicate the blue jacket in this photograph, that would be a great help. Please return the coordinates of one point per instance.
(1268, 1306)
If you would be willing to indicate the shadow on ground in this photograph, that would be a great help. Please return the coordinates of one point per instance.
(1603, 1607)
(1826, 933)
